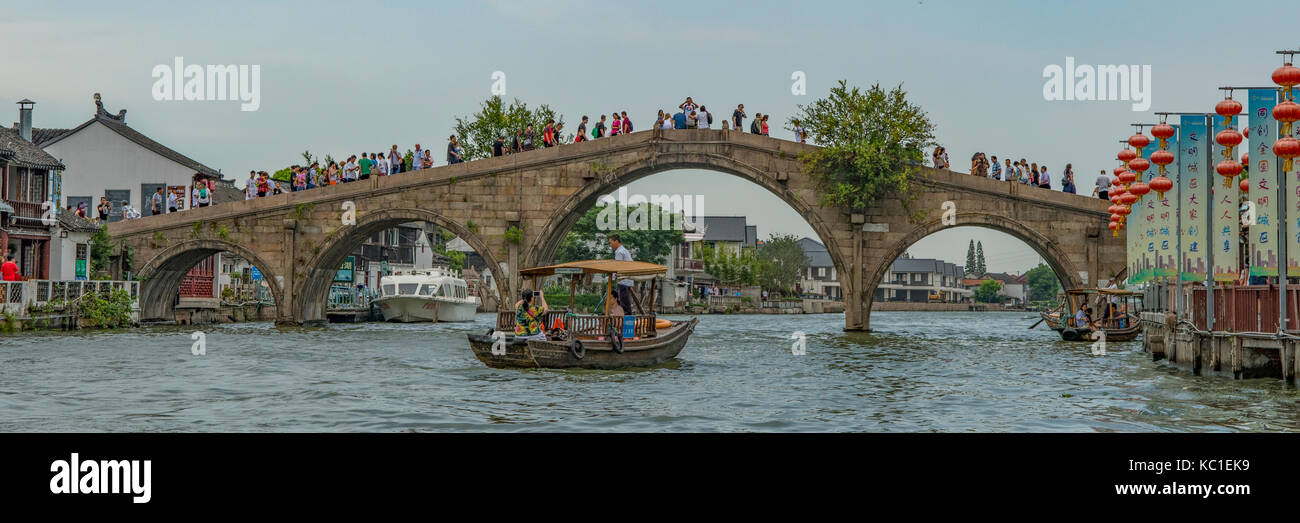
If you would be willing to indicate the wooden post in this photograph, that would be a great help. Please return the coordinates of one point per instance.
(609, 288)
(573, 291)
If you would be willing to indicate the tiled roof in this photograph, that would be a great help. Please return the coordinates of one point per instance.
(14, 149)
(72, 222)
(724, 229)
(817, 254)
(42, 135)
(127, 132)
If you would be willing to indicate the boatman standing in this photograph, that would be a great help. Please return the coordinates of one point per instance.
(624, 285)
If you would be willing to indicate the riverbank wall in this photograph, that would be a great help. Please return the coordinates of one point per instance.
(1238, 355)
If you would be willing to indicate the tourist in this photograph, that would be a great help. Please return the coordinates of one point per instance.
(81, 209)
(616, 127)
(582, 130)
(417, 162)
(943, 154)
(1010, 172)
(692, 121)
(529, 136)
(394, 160)
(738, 117)
(498, 146)
(129, 212)
(381, 161)
(300, 179)
(9, 270)
(453, 151)
(679, 120)
(615, 308)
(599, 130)
(352, 169)
(688, 106)
(667, 123)
(1103, 186)
(559, 131)
(201, 197)
(765, 128)
(313, 176)
(1082, 319)
(250, 186)
(624, 285)
(103, 209)
(156, 202)
(659, 121)
(1025, 176)
(363, 167)
(800, 135)
(996, 172)
(627, 123)
(703, 119)
(529, 317)
(1044, 180)
(332, 174)
(1067, 179)
(754, 126)
(427, 163)
(517, 144)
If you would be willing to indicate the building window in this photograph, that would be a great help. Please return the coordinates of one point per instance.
(821, 271)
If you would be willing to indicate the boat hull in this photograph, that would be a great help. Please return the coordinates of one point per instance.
(646, 352)
(411, 309)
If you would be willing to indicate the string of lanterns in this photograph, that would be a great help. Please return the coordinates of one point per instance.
(1229, 139)
(1287, 147)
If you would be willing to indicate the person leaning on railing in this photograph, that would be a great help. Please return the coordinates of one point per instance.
(529, 317)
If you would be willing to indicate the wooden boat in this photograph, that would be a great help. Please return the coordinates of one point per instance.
(587, 341)
(1123, 325)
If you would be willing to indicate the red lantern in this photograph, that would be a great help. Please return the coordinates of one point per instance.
(1125, 155)
(1128, 198)
(1286, 148)
(1139, 188)
(1161, 185)
(1114, 209)
(1114, 196)
(1162, 158)
(1246, 132)
(1287, 76)
(1287, 111)
(1228, 169)
(1118, 170)
(1138, 141)
(1114, 227)
(1228, 138)
(1228, 108)
(1245, 185)
(1139, 164)
(1245, 160)
(1163, 132)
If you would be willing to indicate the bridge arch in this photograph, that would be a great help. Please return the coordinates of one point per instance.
(322, 266)
(161, 276)
(1066, 271)
(548, 240)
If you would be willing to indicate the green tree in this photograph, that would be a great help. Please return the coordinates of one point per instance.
(972, 266)
(478, 131)
(988, 292)
(872, 141)
(101, 250)
(780, 263)
(1042, 283)
(731, 267)
(589, 237)
(979, 259)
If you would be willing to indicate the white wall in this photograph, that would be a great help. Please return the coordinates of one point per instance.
(99, 159)
(63, 255)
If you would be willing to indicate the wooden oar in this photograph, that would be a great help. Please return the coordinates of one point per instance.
(1040, 320)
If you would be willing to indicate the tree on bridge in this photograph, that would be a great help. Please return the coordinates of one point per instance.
(478, 131)
(871, 142)
(589, 237)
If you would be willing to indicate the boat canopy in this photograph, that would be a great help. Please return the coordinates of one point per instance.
(620, 267)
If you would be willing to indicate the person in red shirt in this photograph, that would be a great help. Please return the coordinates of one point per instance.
(9, 270)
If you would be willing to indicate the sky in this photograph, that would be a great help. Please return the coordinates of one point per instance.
(341, 77)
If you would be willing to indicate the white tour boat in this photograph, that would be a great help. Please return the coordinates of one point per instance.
(436, 294)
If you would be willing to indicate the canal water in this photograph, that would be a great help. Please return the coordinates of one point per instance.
(933, 371)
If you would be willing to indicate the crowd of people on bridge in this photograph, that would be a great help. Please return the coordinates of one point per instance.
(1021, 171)
(361, 166)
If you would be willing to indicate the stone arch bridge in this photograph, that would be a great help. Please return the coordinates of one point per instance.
(299, 239)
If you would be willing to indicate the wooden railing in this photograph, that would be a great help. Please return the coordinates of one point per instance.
(585, 325)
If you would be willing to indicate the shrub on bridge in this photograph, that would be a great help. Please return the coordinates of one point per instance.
(872, 142)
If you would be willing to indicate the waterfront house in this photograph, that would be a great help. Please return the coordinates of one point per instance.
(820, 278)
(923, 280)
(26, 211)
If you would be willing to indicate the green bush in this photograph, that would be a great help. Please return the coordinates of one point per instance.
(113, 311)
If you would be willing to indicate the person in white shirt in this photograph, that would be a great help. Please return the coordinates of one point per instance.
(172, 204)
(250, 186)
(383, 165)
(702, 118)
(394, 161)
(417, 161)
(351, 169)
(625, 285)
